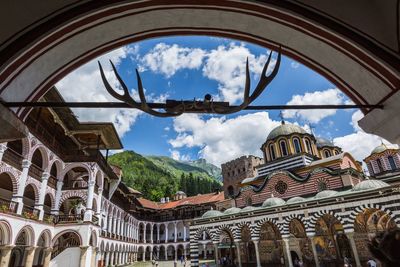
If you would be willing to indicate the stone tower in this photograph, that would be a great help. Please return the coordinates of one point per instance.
(233, 172)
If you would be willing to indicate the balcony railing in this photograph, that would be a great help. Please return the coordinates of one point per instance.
(48, 218)
(30, 212)
(8, 206)
(68, 219)
(52, 182)
(13, 158)
(35, 172)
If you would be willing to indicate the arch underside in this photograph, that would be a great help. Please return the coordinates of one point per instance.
(358, 72)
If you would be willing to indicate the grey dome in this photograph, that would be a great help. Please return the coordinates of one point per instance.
(180, 193)
(382, 147)
(295, 200)
(369, 185)
(212, 213)
(285, 129)
(273, 201)
(322, 142)
(232, 210)
(326, 193)
(248, 208)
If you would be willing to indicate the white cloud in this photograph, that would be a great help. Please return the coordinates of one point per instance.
(176, 155)
(359, 143)
(220, 139)
(85, 84)
(294, 64)
(168, 59)
(225, 65)
(330, 96)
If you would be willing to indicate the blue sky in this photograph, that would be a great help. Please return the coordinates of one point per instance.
(192, 66)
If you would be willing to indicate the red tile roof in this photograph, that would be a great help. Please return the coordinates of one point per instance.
(194, 200)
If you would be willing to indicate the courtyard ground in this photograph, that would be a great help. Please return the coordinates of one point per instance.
(171, 264)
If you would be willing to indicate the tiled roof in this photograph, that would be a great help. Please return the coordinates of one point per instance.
(194, 200)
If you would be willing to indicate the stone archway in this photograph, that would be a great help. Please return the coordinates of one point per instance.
(34, 59)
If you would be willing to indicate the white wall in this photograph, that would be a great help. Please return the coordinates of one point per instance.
(68, 258)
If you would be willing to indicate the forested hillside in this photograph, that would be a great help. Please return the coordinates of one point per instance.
(158, 177)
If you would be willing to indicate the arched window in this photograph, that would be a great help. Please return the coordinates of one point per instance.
(272, 151)
(379, 163)
(392, 163)
(296, 144)
(283, 146)
(308, 145)
(327, 153)
(336, 152)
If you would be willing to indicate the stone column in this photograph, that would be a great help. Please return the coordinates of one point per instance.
(111, 258)
(350, 236)
(20, 194)
(166, 254)
(151, 253)
(47, 257)
(287, 252)
(184, 233)
(205, 251)
(158, 233)
(144, 254)
(176, 253)
(144, 233)
(166, 234)
(256, 242)
(82, 260)
(99, 207)
(107, 259)
(151, 233)
(314, 250)
(239, 258)
(216, 253)
(29, 256)
(58, 197)
(3, 148)
(93, 259)
(43, 186)
(175, 232)
(5, 255)
(89, 201)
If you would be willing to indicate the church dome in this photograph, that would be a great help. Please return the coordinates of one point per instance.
(273, 201)
(326, 193)
(212, 213)
(382, 147)
(285, 129)
(322, 142)
(369, 185)
(295, 200)
(232, 210)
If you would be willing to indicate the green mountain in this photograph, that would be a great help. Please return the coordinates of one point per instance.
(158, 177)
(211, 169)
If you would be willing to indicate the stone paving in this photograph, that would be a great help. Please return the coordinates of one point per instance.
(171, 264)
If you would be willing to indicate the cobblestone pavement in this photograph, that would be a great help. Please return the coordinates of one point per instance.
(170, 264)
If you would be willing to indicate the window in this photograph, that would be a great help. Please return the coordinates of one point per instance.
(230, 191)
(249, 201)
(322, 186)
(308, 145)
(392, 163)
(336, 152)
(272, 151)
(284, 151)
(281, 187)
(296, 143)
(379, 163)
(327, 153)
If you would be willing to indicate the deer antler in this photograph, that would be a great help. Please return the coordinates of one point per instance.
(206, 106)
(126, 97)
(262, 84)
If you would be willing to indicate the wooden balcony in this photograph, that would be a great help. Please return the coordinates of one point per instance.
(12, 158)
(8, 206)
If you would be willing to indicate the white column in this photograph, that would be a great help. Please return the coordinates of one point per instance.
(43, 186)
(58, 197)
(20, 194)
(350, 236)
(166, 233)
(107, 259)
(184, 232)
(144, 233)
(314, 249)
(287, 252)
(89, 201)
(158, 233)
(216, 253)
(151, 233)
(5, 255)
(256, 241)
(175, 232)
(99, 207)
(3, 148)
(239, 258)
